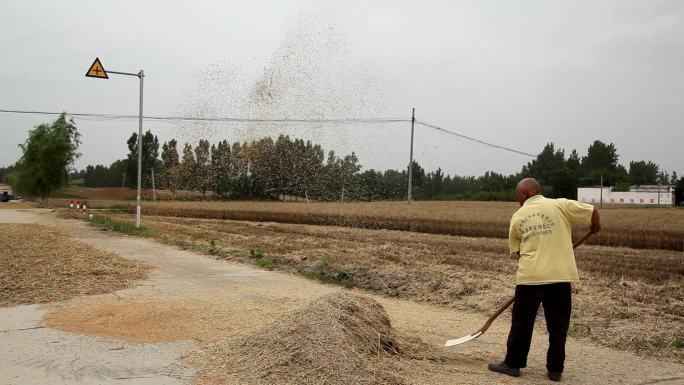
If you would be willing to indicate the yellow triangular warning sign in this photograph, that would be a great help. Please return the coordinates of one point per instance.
(96, 70)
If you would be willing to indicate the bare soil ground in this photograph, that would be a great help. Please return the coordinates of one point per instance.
(628, 299)
(40, 264)
(16, 205)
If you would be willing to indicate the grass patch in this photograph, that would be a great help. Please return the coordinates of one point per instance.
(122, 208)
(212, 248)
(266, 263)
(324, 273)
(112, 224)
(256, 253)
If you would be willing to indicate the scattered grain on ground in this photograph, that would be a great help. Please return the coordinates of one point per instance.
(40, 264)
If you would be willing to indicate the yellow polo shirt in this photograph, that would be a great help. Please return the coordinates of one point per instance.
(541, 230)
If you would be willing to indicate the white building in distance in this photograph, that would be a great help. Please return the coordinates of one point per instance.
(637, 195)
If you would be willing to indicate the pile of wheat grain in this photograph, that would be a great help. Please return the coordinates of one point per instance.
(337, 339)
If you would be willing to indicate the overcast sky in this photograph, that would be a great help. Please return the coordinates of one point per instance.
(519, 74)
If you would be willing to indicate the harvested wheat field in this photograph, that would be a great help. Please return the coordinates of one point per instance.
(628, 299)
(120, 193)
(644, 228)
(40, 264)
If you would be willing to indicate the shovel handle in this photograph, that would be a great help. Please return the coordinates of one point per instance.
(510, 301)
(581, 240)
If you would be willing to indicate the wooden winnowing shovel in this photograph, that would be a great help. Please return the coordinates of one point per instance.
(500, 310)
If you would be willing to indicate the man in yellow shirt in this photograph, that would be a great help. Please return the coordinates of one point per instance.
(541, 236)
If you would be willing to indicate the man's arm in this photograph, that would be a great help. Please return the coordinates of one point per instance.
(595, 221)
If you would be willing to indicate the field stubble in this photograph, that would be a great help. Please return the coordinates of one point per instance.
(629, 299)
(642, 228)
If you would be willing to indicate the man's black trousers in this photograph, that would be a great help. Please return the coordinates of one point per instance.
(557, 301)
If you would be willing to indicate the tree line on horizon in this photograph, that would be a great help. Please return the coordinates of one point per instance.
(268, 168)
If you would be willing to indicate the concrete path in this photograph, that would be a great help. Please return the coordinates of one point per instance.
(32, 354)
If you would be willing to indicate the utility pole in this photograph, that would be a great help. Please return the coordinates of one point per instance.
(96, 70)
(601, 199)
(409, 195)
(154, 190)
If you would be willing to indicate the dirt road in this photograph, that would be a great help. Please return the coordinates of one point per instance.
(142, 335)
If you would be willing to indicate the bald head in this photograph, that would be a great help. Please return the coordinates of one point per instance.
(527, 188)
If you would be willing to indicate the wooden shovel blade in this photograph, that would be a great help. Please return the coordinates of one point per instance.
(462, 340)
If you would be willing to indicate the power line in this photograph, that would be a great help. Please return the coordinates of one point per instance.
(473, 139)
(104, 117)
(110, 117)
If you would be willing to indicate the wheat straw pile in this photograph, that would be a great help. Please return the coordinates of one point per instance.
(338, 339)
(40, 264)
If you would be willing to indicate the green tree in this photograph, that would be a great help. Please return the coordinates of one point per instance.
(417, 181)
(150, 153)
(48, 153)
(642, 172)
(663, 178)
(309, 166)
(4, 173)
(600, 156)
(679, 190)
(221, 175)
(434, 183)
(103, 176)
(394, 185)
(602, 161)
(203, 166)
(573, 162)
(170, 173)
(557, 176)
(348, 168)
(187, 169)
(261, 154)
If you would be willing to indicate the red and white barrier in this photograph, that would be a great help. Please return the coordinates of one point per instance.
(79, 205)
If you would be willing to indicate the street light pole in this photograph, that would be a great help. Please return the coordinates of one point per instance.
(141, 76)
(138, 219)
(97, 71)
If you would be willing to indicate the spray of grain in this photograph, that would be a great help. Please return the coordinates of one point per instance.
(315, 73)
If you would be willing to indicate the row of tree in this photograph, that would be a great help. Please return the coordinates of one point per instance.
(268, 168)
(561, 176)
(4, 173)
